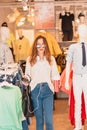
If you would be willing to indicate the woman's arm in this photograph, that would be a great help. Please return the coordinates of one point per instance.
(55, 76)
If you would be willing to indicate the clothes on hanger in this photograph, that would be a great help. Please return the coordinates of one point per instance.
(10, 80)
(10, 108)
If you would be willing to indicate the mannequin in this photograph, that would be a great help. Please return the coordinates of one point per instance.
(10, 40)
(67, 24)
(22, 47)
(5, 52)
(74, 56)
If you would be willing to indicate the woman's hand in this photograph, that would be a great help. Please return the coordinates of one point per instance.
(57, 85)
(25, 80)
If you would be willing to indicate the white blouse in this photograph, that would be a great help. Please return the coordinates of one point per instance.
(41, 72)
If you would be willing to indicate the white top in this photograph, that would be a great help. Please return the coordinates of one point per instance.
(41, 72)
(5, 53)
(75, 56)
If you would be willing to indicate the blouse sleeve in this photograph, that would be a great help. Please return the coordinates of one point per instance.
(55, 74)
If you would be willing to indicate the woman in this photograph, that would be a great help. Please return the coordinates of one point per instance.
(41, 66)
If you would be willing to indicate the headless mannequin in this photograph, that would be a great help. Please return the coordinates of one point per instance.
(4, 33)
(66, 23)
(5, 52)
(82, 38)
(20, 34)
(82, 31)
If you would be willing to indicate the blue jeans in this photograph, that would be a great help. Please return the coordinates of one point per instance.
(42, 98)
(25, 125)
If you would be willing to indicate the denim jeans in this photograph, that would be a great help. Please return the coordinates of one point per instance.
(25, 125)
(42, 98)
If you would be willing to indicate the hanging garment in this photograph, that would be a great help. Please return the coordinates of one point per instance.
(10, 108)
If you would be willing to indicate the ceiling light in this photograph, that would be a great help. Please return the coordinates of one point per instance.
(22, 19)
(16, 12)
(20, 23)
(25, 7)
(33, 23)
(11, 17)
(19, 0)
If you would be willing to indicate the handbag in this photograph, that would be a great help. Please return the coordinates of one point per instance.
(27, 103)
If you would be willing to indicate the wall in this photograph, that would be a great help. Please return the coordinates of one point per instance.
(3, 17)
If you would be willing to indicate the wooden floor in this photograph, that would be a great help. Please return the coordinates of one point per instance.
(60, 116)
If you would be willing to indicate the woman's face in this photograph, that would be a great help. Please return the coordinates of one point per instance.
(40, 46)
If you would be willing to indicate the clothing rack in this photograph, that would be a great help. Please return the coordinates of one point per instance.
(7, 72)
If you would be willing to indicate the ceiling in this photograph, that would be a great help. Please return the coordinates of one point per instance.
(7, 0)
(12, 4)
(56, 2)
(9, 3)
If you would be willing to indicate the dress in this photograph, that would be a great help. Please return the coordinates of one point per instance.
(67, 26)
